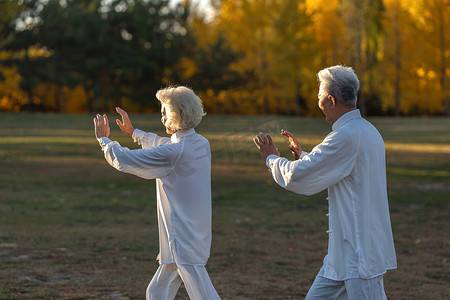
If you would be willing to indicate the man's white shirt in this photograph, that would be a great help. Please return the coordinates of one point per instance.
(350, 163)
(181, 166)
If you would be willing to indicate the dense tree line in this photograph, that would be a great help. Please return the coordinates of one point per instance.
(114, 51)
(249, 56)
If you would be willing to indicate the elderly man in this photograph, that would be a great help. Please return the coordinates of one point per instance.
(181, 165)
(350, 163)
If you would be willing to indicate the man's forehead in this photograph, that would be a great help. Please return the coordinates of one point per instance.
(322, 89)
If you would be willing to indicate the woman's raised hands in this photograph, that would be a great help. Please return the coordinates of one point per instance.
(125, 124)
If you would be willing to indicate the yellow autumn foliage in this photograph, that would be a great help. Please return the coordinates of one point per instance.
(282, 44)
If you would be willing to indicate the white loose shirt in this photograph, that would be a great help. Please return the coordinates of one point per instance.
(182, 168)
(350, 163)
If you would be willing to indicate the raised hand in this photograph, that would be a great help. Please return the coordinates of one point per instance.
(125, 125)
(101, 125)
(294, 144)
(265, 145)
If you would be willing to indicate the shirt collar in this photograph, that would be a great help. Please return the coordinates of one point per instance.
(177, 136)
(345, 118)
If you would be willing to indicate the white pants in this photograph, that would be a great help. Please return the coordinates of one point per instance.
(350, 289)
(168, 278)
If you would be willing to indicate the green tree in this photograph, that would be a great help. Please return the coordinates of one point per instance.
(116, 49)
(209, 68)
(60, 33)
(14, 15)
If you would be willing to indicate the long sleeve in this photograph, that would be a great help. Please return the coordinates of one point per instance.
(148, 139)
(182, 168)
(327, 164)
(151, 163)
(350, 163)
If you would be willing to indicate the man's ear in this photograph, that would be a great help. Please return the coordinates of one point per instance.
(333, 100)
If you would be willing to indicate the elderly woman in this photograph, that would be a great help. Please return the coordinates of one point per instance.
(181, 165)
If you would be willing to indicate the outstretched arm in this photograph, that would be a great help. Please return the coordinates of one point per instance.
(328, 163)
(146, 139)
(294, 144)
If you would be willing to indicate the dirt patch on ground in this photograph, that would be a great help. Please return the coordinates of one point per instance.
(255, 256)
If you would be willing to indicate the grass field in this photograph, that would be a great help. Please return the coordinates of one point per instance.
(72, 227)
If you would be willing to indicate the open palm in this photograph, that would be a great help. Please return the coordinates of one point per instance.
(294, 144)
(125, 125)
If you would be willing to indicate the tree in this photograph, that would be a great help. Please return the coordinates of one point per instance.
(415, 45)
(328, 32)
(58, 33)
(364, 31)
(293, 47)
(248, 27)
(11, 12)
(149, 41)
(432, 18)
(394, 16)
(116, 49)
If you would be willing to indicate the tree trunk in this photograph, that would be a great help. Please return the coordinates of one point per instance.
(263, 79)
(398, 64)
(61, 99)
(356, 24)
(446, 97)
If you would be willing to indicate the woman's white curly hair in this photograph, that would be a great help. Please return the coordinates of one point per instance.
(184, 108)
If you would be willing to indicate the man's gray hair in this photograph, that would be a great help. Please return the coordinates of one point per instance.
(184, 107)
(341, 83)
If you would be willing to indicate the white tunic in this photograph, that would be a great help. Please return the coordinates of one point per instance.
(350, 162)
(182, 168)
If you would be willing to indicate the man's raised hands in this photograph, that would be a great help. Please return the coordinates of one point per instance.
(294, 146)
(265, 145)
(125, 124)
